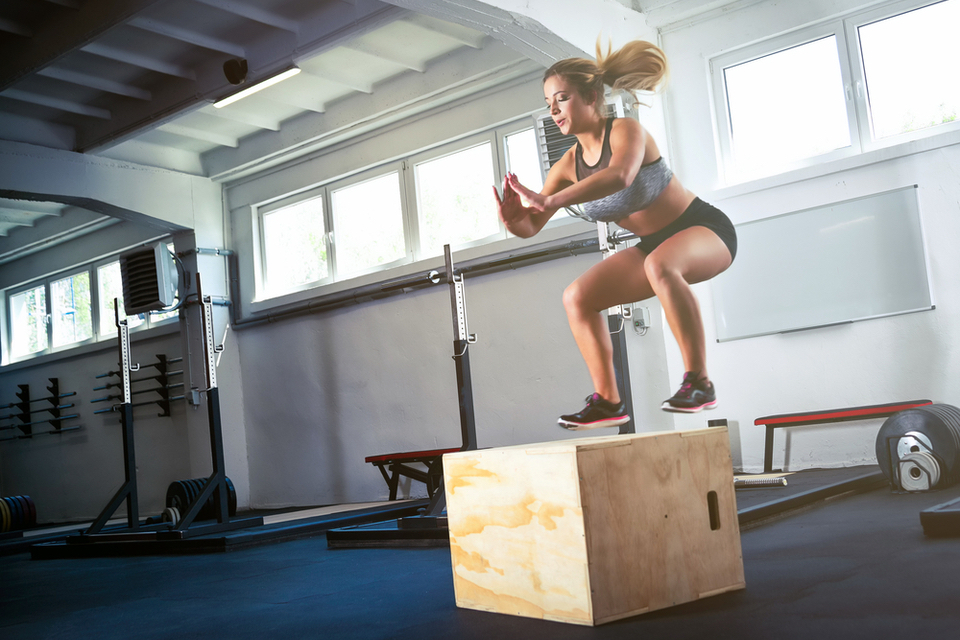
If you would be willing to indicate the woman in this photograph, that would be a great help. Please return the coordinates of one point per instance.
(615, 170)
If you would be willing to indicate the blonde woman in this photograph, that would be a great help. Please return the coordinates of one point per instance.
(617, 173)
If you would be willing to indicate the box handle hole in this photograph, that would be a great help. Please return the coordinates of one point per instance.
(714, 510)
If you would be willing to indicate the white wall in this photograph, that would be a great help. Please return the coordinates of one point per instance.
(876, 361)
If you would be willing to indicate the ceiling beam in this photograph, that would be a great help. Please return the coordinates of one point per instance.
(236, 113)
(57, 103)
(199, 134)
(17, 29)
(328, 23)
(96, 82)
(139, 60)
(63, 33)
(69, 4)
(190, 37)
(257, 14)
(372, 49)
(461, 34)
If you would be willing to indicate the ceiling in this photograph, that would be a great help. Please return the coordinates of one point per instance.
(136, 79)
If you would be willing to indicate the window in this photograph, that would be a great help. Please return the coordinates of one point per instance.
(906, 62)
(836, 89)
(68, 310)
(368, 218)
(455, 201)
(523, 158)
(28, 321)
(295, 245)
(395, 213)
(71, 311)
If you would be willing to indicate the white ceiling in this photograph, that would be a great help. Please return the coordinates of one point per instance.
(136, 80)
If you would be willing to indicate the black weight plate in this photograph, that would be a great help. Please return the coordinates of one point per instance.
(231, 498)
(33, 510)
(15, 516)
(24, 511)
(933, 421)
(177, 496)
(4, 516)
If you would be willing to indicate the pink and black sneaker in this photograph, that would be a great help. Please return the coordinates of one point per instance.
(695, 394)
(598, 413)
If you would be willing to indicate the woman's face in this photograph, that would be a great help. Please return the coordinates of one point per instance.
(569, 110)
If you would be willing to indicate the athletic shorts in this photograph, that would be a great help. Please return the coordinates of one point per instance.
(698, 214)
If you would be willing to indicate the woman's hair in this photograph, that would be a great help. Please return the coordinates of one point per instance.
(636, 66)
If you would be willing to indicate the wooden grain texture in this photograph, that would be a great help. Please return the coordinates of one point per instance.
(647, 522)
(516, 533)
(594, 529)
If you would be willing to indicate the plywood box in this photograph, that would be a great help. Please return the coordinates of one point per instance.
(594, 529)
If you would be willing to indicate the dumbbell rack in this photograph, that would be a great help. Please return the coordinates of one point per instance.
(25, 419)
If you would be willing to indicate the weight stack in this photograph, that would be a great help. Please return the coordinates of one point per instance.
(919, 449)
(17, 513)
(182, 493)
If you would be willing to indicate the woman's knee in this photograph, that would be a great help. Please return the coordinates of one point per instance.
(575, 298)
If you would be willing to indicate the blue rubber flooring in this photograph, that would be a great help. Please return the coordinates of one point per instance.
(854, 567)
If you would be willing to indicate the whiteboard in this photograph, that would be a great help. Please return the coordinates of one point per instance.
(853, 260)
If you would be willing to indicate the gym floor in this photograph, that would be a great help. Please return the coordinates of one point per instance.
(856, 566)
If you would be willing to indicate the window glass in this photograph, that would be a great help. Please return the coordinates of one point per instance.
(70, 309)
(907, 62)
(28, 327)
(786, 106)
(368, 224)
(295, 251)
(110, 286)
(455, 200)
(523, 158)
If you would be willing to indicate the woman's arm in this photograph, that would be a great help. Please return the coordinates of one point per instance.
(627, 148)
(526, 221)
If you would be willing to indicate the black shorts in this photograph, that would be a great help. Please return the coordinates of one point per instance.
(698, 214)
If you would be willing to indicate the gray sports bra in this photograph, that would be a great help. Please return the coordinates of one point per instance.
(647, 186)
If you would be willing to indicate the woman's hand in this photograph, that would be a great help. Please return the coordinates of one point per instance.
(513, 213)
(534, 200)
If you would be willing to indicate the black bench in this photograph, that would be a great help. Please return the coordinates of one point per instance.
(787, 420)
(394, 465)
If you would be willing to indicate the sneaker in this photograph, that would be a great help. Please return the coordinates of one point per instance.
(694, 395)
(598, 413)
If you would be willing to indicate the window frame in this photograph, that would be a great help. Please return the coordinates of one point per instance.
(852, 26)
(263, 285)
(443, 151)
(844, 29)
(368, 175)
(92, 269)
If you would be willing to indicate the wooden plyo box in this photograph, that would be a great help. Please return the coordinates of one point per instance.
(596, 529)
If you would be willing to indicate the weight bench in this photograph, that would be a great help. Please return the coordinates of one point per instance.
(788, 420)
(394, 465)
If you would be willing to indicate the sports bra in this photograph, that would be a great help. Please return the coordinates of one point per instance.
(647, 186)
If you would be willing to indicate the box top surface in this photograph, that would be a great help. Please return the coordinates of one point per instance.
(589, 442)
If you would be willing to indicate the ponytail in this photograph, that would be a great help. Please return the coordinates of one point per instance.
(637, 66)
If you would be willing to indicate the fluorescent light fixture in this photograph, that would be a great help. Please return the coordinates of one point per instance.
(289, 73)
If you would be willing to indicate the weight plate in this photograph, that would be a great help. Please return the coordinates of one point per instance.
(939, 424)
(231, 499)
(14, 514)
(33, 510)
(24, 511)
(4, 516)
(171, 515)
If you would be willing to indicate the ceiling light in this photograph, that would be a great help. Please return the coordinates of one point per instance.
(289, 73)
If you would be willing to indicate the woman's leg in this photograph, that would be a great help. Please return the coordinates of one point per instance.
(618, 279)
(693, 255)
